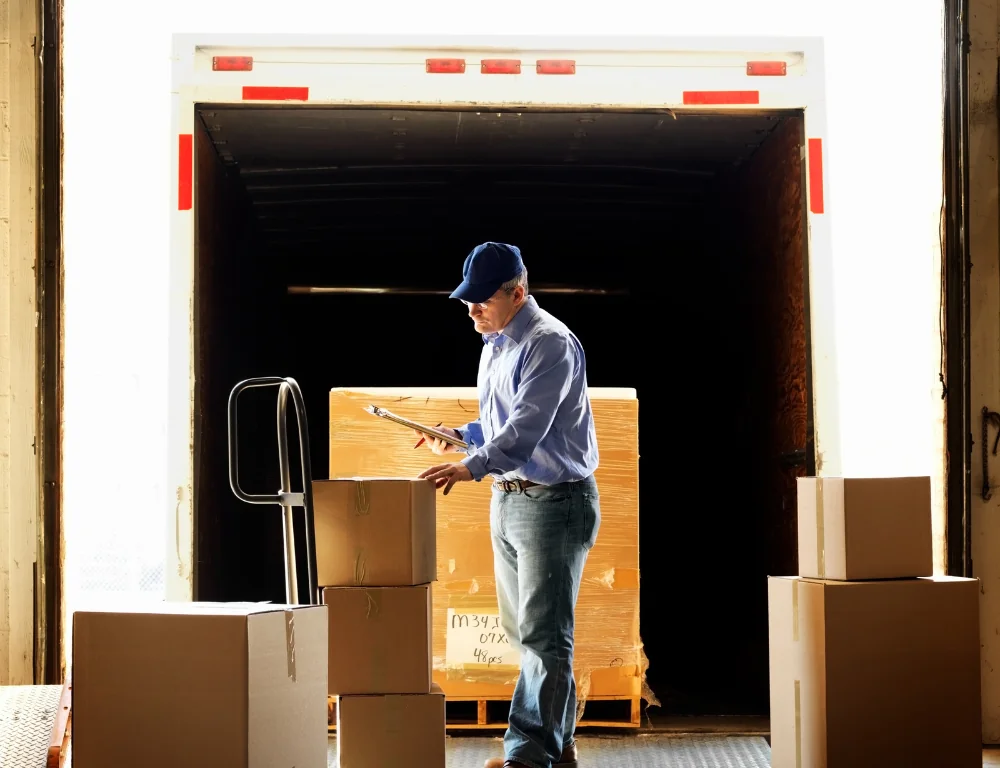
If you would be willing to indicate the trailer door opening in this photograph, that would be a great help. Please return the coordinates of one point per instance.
(327, 240)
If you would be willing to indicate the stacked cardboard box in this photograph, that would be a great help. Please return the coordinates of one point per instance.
(200, 685)
(873, 661)
(376, 562)
(468, 663)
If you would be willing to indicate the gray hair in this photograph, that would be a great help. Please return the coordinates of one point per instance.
(521, 279)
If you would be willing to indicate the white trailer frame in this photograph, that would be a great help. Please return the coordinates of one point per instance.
(619, 73)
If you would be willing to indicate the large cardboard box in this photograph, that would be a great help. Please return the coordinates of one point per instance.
(389, 731)
(865, 528)
(608, 658)
(200, 685)
(874, 673)
(380, 639)
(375, 530)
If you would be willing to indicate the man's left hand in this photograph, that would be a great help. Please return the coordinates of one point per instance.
(447, 475)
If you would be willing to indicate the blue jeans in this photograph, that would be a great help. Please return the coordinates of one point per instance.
(541, 538)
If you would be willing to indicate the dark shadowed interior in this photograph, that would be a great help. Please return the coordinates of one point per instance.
(672, 244)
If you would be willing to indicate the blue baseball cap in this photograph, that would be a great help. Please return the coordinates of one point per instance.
(486, 268)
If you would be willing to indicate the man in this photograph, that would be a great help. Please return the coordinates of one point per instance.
(535, 439)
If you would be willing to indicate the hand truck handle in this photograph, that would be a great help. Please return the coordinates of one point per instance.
(284, 498)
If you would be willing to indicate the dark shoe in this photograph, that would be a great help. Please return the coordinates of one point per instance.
(567, 759)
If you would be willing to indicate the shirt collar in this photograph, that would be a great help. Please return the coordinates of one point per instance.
(516, 327)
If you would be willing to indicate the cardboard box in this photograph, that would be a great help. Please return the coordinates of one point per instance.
(378, 531)
(388, 731)
(875, 673)
(865, 528)
(380, 639)
(200, 685)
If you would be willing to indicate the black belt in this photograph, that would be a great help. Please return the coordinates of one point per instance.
(513, 486)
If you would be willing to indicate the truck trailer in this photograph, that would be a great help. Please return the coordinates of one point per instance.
(668, 199)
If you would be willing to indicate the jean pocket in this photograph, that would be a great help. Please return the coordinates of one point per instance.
(547, 495)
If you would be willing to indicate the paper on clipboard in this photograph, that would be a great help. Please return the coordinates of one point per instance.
(382, 413)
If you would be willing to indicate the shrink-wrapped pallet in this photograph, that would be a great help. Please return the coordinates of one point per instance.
(470, 657)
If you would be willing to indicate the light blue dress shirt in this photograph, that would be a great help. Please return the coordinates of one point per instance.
(535, 421)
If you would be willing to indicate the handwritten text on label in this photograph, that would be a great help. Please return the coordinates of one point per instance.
(477, 639)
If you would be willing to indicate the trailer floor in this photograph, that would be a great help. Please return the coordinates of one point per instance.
(28, 715)
(652, 750)
(632, 751)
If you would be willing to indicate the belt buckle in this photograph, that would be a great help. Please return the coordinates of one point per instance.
(510, 486)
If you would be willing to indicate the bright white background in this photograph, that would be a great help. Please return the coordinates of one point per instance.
(883, 168)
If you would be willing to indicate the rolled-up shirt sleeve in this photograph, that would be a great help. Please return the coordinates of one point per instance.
(548, 370)
(472, 433)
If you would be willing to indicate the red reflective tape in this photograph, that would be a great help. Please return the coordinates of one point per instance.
(445, 66)
(555, 67)
(500, 66)
(816, 175)
(232, 63)
(767, 68)
(722, 97)
(268, 93)
(185, 172)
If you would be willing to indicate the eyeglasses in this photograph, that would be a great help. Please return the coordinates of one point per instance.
(490, 300)
(480, 304)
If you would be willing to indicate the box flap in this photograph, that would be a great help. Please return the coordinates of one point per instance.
(367, 479)
(174, 608)
(940, 579)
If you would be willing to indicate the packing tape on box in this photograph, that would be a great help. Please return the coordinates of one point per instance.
(798, 725)
(378, 653)
(820, 536)
(797, 693)
(374, 607)
(362, 508)
(795, 611)
(362, 501)
(360, 567)
(290, 644)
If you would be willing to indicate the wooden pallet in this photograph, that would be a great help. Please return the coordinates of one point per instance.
(59, 740)
(467, 713)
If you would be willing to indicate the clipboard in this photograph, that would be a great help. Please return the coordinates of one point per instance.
(382, 413)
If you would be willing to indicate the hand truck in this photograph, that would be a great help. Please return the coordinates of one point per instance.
(285, 497)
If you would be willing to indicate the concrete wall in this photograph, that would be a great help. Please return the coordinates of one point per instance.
(19, 183)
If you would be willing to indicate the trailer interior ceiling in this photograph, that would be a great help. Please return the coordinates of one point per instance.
(672, 243)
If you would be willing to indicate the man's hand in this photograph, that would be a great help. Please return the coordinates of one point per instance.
(447, 475)
(436, 444)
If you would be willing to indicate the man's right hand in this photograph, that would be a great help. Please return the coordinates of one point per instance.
(437, 445)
